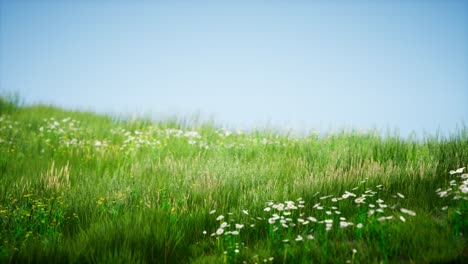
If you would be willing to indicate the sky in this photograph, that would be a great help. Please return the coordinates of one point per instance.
(292, 65)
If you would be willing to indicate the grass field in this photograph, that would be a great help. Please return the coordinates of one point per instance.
(77, 187)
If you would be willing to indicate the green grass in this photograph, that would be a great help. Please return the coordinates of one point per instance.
(77, 187)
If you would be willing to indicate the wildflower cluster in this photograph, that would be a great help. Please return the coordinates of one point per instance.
(457, 189)
(7, 126)
(295, 221)
(31, 216)
(65, 134)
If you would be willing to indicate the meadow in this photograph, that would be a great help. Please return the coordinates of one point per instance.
(78, 187)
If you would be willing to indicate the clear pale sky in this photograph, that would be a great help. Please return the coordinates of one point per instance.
(292, 64)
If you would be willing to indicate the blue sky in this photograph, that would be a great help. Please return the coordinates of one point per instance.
(291, 64)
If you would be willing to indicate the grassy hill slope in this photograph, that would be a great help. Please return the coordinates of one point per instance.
(82, 188)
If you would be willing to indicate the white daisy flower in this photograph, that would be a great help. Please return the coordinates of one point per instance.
(463, 188)
(360, 200)
(344, 224)
(406, 211)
